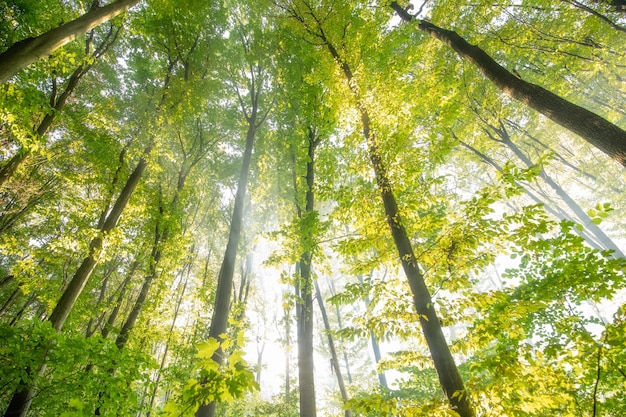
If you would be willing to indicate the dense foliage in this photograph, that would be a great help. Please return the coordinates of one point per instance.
(121, 155)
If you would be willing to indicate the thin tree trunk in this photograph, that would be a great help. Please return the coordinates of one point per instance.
(9, 300)
(155, 259)
(595, 13)
(23, 395)
(240, 298)
(259, 362)
(93, 321)
(22, 310)
(219, 320)
(6, 280)
(448, 373)
(25, 52)
(287, 321)
(340, 326)
(596, 130)
(333, 351)
(557, 156)
(18, 208)
(161, 235)
(169, 339)
(106, 329)
(121, 292)
(382, 378)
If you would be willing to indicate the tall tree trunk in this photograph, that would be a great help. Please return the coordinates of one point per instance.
(25, 52)
(304, 302)
(9, 299)
(448, 373)
(23, 395)
(6, 280)
(333, 351)
(76, 285)
(382, 378)
(22, 310)
(134, 313)
(240, 297)
(259, 362)
(94, 321)
(219, 320)
(161, 236)
(596, 130)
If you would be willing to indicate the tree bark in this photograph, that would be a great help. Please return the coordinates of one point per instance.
(25, 52)
(596, 130)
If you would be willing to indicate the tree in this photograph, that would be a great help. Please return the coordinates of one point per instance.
(304, 283)
(255, 113)
(449, 376)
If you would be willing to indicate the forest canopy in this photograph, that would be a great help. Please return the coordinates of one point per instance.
(308, 207)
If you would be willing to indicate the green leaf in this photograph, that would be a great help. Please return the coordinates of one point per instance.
(207, 349)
